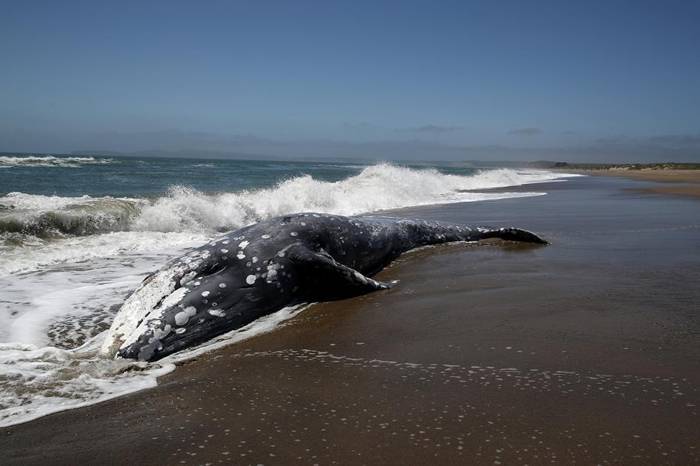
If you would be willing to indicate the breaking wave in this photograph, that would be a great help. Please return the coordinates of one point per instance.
(49, 216)
(50, 161)
(183, 209)
(67, 263)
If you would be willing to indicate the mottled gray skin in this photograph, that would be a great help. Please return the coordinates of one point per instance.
(298, 259)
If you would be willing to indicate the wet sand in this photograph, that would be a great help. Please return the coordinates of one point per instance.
(583, 351)
(669, 181)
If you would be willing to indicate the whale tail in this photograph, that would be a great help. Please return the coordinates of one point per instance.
(514, 234)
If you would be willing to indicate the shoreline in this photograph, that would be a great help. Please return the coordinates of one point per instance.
(667, 181)
(584, 350)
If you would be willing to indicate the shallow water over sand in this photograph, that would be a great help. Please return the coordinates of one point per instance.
(90, 229)
(585, 350)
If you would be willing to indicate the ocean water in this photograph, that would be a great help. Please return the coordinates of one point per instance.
(78, 233)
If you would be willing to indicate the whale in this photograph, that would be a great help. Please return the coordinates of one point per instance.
(284, 261)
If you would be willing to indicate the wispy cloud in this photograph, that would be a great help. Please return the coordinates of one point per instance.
(661, 141)
(360, 125)
(525, 132)
(677, 140)
(679, 147)
(432, 129)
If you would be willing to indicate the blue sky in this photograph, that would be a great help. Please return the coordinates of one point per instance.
(522, 76)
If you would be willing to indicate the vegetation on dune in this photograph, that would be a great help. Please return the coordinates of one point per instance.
(616, 166)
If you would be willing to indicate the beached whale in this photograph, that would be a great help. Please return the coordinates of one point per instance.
(259, 269)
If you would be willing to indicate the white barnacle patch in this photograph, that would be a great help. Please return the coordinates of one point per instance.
(197, 283)
(283, 252)
(243, 244)
(293, 233)
(187, 277)
(265, 236)
(174, 298)
(302, 224)
(183, 316)
(205, 293)
(225, 241)
(255, 259)
(250, 279)
(222, 285)
(271, 273)
(240, 255)
(158, 334)
(216, 312)
(224, 251)
(160, 292)
(180, 330)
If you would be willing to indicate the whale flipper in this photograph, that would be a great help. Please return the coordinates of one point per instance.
(327, 279)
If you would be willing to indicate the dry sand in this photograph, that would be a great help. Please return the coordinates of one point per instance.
(582, 351)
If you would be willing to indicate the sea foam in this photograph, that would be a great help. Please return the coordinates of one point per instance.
(67, 263)
(50, 161)
(377, 187)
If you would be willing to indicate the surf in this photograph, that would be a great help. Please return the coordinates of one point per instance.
(86, 253)
(181, 208)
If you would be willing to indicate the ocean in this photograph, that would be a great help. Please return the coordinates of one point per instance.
(77, 234)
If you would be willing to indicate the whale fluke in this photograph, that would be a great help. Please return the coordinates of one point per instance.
(515, 234)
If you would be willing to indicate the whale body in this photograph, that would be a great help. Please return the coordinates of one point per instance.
(259, 269)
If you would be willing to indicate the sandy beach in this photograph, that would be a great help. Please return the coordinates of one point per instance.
(582, 351)
(667, 181)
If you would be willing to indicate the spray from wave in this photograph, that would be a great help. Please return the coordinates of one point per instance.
(50, 216)
(377, 187)
(7, 161)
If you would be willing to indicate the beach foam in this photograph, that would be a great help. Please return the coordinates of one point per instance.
(376, 187)
(67, 264)
(36, 381)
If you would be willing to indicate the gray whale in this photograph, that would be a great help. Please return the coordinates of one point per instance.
(259, 269)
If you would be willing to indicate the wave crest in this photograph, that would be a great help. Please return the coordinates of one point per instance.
(50, 161)
(378, 187)
(182, 209)
(48, 216)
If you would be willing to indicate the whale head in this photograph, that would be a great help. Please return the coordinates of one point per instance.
(192, 299)
(190, 316)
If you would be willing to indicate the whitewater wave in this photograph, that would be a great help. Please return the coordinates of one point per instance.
(378, 187)
(67, 263)
(50, 161)
(49, 216)
(32, 254)
(36, 381)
